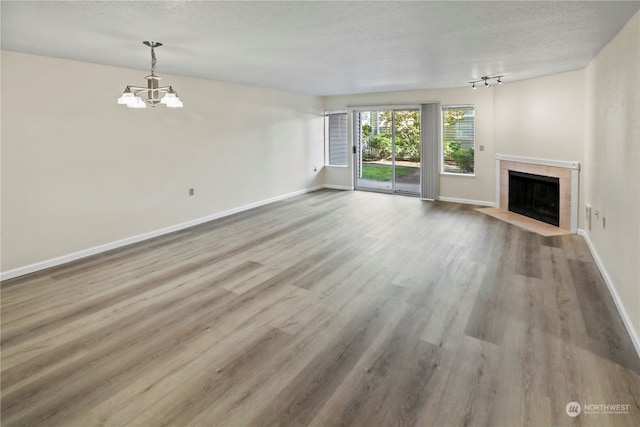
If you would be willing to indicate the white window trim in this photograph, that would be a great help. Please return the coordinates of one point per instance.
(458, 174)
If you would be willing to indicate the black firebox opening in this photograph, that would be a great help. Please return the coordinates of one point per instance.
(535, 196)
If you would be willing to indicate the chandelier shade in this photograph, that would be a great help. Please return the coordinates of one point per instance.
(151, 95)
(171, 99)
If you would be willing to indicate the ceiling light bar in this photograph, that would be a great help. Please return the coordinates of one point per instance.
(486, 80)
(132, 96)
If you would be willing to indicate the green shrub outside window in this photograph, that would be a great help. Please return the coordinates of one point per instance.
(458, 140)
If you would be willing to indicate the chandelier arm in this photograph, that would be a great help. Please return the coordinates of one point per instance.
(137, 90)
(156, 89)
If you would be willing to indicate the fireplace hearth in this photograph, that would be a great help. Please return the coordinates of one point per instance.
(535, 196)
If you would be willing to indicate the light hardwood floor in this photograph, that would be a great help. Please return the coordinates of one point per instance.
(332, 308)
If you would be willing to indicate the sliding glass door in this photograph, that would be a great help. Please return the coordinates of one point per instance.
(387, 145)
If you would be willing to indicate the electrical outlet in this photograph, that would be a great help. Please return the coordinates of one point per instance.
(481, 148)
(191, 192)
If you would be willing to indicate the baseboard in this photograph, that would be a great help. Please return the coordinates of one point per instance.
(32, 268)
(467, 201)
(338, 187)
(633, 334)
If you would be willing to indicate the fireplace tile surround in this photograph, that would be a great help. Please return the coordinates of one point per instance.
(566, 172)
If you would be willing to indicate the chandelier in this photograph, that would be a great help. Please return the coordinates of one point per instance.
(140, 97)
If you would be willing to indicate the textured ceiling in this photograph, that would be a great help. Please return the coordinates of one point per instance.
(323, 48)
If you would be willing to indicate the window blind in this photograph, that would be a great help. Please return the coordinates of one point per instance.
(337, 139)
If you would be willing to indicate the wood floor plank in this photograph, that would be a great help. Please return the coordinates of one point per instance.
(307, 393)
(602, 322)
(331, 308)
(387, 385)
(471, 385)
(100, 328)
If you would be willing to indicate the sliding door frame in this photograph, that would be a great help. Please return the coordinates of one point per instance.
(357, 158)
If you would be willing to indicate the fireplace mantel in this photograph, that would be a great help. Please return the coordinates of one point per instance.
(567, 172)
(542, 162)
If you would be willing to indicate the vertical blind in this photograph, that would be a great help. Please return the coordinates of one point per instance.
(338, 139)
(430, 140)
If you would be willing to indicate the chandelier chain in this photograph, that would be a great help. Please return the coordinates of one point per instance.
(153, 61)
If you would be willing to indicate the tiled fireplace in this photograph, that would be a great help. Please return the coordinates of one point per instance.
(565, 172)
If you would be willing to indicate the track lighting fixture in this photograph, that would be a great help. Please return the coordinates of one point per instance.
(486, 80)
(132, 94)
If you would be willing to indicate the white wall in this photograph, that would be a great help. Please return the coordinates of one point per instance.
(479, 187)
(613, 164)
(79, 171)
(543, 118)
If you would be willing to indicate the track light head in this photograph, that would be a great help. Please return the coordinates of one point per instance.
(473, 85)
(499, 81)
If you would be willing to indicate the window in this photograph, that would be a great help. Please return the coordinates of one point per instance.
(336, 138)
(458, 139)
